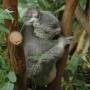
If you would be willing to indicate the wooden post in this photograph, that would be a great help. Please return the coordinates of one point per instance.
(16, 53)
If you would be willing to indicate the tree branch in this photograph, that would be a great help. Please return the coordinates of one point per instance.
(68, 16)
(66, 27)
(82, 18)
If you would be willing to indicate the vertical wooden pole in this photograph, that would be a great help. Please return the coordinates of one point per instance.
(16, 53)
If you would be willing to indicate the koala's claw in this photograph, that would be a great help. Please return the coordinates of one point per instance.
(69, 40)
(70, 37)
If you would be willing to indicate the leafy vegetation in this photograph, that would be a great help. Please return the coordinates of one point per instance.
(78, 64)
(7, 76)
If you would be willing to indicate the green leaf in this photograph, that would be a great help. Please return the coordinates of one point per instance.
(32, 3)
(44, 4)
(60, 9)
(22, 11)
(83, 3)
(74, 63)
(75, 25)
(11, 76)
(3, 29)
(8, 86)
(6, 14)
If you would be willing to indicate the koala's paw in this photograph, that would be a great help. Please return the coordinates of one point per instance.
(63, 41)
(68, 40)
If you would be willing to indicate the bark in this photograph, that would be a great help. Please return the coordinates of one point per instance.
(66, 27)
(16, 53)
(82, 18)
(68, 16)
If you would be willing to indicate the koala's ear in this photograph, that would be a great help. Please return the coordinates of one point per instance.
(32, 13)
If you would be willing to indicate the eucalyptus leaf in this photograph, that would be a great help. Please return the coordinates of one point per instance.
(8, 86)
(83, 3)
(11, 76)
(60, 9)
(75, 25)
(3, 29)
(44, 4)
(6, 14)
(74, 63)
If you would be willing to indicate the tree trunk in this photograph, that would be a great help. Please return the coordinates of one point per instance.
(16, 53)
(66, 28)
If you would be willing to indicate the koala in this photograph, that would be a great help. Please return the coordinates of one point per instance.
(42, 50)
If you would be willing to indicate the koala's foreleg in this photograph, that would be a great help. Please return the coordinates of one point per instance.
(57, 51)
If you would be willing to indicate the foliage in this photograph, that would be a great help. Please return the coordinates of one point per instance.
(7, 77)
(4, 14)
(83, 3)
(74, 77)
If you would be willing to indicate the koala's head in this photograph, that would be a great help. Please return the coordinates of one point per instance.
(45, 24)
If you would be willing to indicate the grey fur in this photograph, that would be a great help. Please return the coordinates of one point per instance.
(41, 51)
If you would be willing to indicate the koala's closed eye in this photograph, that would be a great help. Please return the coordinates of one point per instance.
(54, 26)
